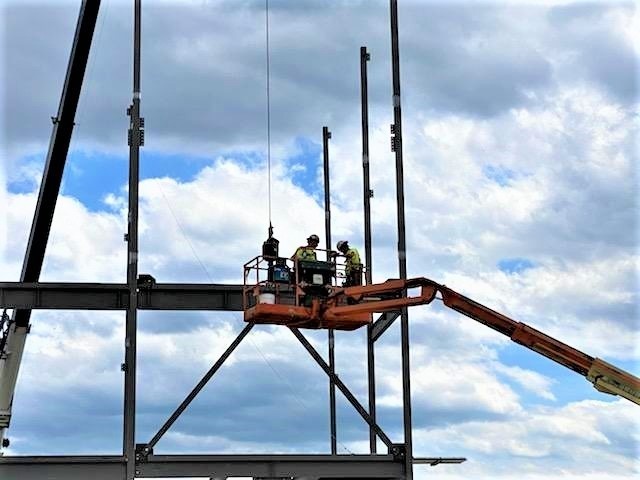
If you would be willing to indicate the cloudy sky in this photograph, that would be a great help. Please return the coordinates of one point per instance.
(521, 162)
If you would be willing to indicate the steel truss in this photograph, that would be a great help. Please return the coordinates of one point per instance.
(143, 293)
(147, 465)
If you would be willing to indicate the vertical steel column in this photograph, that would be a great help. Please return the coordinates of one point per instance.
(367, 194)
(136, 140)
(396, 145)
(326, 135)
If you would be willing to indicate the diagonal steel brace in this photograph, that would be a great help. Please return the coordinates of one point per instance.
(343, 388)
(146, 449)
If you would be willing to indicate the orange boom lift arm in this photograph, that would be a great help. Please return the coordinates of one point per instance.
(604, 376)
(352, 307)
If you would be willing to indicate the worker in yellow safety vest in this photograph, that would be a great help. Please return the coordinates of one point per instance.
(307, 252)
(353, 265)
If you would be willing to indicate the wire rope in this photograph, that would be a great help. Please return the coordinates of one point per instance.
(268, 59)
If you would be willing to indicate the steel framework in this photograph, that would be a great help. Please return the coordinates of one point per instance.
(142, 293)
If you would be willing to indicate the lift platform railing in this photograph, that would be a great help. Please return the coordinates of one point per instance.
(283, 281)
(274, 293)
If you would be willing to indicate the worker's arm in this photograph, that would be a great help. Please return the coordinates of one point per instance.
(354, 257)
(296, 254)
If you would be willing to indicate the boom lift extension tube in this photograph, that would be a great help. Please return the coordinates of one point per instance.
(387, 296)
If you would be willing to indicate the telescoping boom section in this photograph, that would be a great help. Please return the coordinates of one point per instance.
(348, 308)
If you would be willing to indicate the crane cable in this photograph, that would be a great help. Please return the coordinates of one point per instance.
(268, 113)
(266, 4)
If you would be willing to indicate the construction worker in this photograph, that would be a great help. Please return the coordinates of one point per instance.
(353, 265)
(307, 252)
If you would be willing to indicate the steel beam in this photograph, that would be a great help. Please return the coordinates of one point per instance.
(311, 467)
(62, 468)
(63, 125)
(201, 384)
(433, 461)
(343, 388)
(382, 324)
(114, 296)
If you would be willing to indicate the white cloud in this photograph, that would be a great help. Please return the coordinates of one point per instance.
(531, 381)
(447, 385)
(576, 439)
(83, 245)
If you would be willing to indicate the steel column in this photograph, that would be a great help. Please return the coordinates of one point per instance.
(367, 194)
(136, 139)
(326, 135)
(397, 144)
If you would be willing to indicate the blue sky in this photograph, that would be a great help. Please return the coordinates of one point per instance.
(521, 193)
(91, 176)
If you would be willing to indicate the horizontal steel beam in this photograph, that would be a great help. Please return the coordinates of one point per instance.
(112, 296)
(433, 461)
(176, 296)
(311, 467)
(62, 468)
